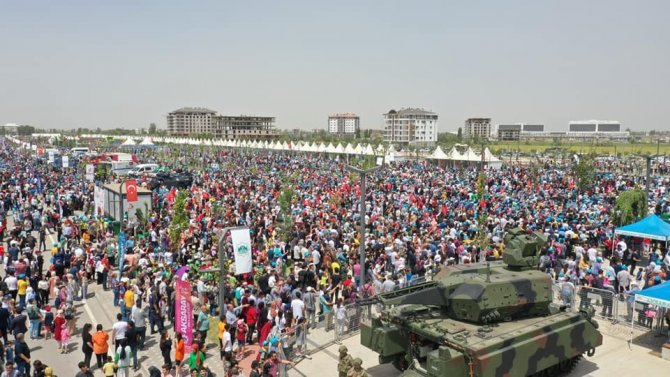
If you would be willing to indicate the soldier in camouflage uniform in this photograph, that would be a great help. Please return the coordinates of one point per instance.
(346, 362)
(357, 369)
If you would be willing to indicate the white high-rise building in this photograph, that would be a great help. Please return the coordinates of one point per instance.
(477, 127)
(343, 124)
(410, 126)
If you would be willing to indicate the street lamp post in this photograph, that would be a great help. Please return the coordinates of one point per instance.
(648, 175)
(121, 187)
(363, 174)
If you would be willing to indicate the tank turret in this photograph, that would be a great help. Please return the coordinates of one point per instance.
(472, 316)
(486, 293)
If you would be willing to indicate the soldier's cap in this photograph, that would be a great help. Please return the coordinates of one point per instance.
(358, 362)
(343, 349)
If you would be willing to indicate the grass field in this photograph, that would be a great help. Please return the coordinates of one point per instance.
(611, 149)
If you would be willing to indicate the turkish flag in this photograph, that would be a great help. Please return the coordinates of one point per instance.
(131, 190)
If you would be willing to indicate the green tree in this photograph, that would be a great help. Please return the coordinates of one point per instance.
(630, 206)
(25, 130)
(482, 215)
(179, 220)
(459, 135)
(584, 173)
(152, 129)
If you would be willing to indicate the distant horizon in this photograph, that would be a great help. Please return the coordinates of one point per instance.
(324, 127)
(72, 64)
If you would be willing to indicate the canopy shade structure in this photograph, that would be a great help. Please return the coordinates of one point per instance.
(658, 295)
(147, 141)
(439, 154)
(128, 142)
(651, 226)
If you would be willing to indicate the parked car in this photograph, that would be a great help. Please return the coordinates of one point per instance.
(144, 169)
(170, 180)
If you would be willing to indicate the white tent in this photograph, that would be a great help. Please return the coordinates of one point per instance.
(349, 149)
(128, 143)
(369, 150)
(491, 160)
(438, 154)
(455, 155)
(147, 141)
(470, 156)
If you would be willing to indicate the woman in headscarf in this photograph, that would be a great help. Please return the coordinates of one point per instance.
(196, 359)
(123, 358)
(58, 327)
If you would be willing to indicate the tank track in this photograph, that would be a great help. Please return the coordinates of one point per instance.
(563, 368)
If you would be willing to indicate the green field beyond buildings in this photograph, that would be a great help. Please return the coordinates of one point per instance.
(601, 148)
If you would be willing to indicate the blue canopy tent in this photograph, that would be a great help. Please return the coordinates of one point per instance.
(651, 226)
(658, 295)
(655, 228)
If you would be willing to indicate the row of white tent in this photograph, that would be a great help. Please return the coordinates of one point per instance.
(147, 141)
(467, 153)
(360, 149)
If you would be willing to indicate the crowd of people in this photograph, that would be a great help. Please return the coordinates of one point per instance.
(303, 215)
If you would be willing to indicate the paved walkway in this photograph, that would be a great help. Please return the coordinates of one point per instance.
(615, 357)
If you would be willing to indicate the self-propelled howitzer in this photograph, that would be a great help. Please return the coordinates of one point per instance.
(493, 319)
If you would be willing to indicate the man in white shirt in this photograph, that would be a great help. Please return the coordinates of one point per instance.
(579, 252)
(119, 330)
(139, 317)
(298, 306)
(593, 253)
(316, 258)
(388, 285)
(12, 284)
(624, 280)
(227, 345)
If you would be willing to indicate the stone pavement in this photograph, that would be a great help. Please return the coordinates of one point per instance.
(615, 357)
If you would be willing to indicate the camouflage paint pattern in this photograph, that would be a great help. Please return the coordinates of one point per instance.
(479, 320)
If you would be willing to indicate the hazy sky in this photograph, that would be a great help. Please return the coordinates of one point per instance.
(66, 64)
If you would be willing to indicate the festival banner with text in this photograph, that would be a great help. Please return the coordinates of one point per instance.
(184, 312)
(242, 249)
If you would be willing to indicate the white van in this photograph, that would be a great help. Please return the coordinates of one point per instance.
(142, 169)
(79, 151)
(118, 167)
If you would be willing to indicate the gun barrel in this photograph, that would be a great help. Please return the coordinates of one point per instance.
(428, 293)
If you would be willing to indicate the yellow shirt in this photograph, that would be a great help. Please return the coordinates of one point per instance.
(222, 328)
(108, 369)
(334, 266)
(129, 298)
(23, 286)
